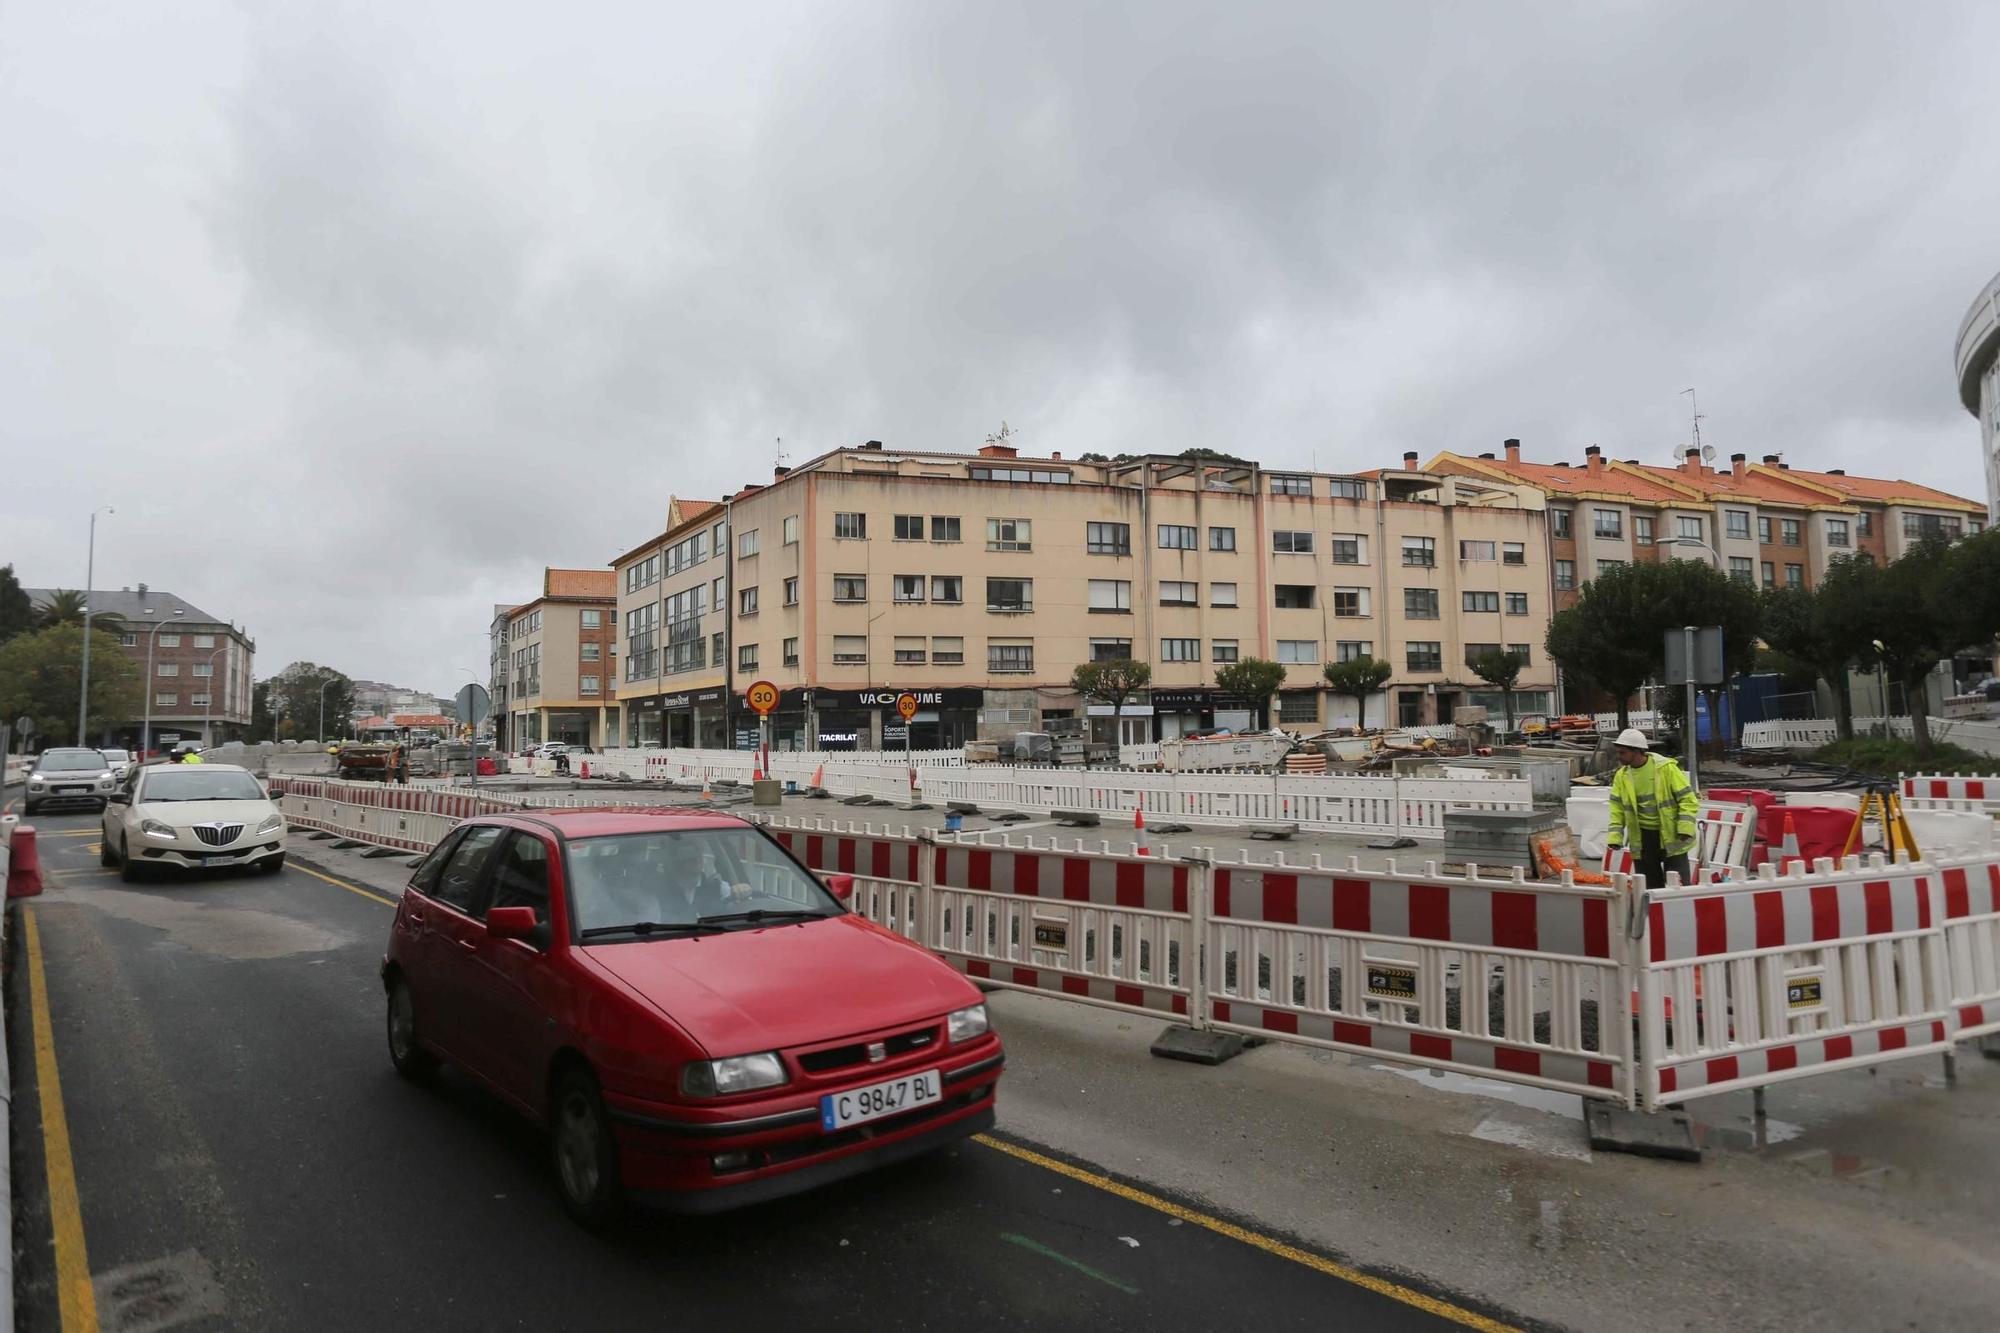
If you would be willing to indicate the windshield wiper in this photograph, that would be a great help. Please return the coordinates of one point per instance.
(643, 928)
(762, 914)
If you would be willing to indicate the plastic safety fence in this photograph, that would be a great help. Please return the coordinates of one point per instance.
(886, 865)
(1724, 834)
(1502, 978)
(1972, 945)
(1952, 793)
(411, 819)
(1744, 984)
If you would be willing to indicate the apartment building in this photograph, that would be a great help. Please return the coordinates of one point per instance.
(1767, 524)
(202, 666)
(673, 617)
(981, 582)
(562, 661)
(499, 667)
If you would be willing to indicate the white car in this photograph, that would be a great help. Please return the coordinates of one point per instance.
(191, 817)
(68, 773)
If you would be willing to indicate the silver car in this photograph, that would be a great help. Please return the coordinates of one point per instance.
(70, 774)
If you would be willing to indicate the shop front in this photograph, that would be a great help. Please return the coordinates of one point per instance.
(1183, 712)
(867, 719)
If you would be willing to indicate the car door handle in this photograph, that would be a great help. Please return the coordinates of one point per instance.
(415, 918)
(469, 946)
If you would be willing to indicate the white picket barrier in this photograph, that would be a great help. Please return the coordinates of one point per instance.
(1944, 792)
(1972, 943)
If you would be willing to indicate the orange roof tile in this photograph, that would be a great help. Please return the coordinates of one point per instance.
(579, 583)
(1611, 480)
(1879, 490)
(1751, 486)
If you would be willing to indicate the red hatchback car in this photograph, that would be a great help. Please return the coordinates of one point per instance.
(694, 1017)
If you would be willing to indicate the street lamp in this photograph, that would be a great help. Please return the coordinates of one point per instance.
(1882, 688)
(208, 709)
(152, 638)
(89, 577)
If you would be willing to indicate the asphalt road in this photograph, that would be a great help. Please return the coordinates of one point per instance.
(244, 1158)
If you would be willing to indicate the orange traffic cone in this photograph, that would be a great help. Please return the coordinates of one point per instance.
(585, 771)
(706, 794)
(819, 774)
(1788, 849)
(1139, 847)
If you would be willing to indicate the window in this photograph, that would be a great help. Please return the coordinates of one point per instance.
(1690, 529)
(1109, 538)
(208, 640)
(944, 527)
(1565, 574)
(791, 652)
(718, 595)
(1039, 475)
(1420, 551)
(1296, 651)
(1607, 522)
(746, 602)
(1559, 524)
(197, 701)
(586, 684)
(1009, 534)
(462, 875)
(1347, 548)
(1795, 576)
(1294, 596)
(1917, 526)
(909, 650)
(166, 700)
(1736, 522)
(170, 640)
(1520, 650)
(1350, 602)
(1222, 594)
(1298, 706)
(1604, 565)
(1864, 524)
(591, 652)
(1476, 550)
(909, 527)
(1424, 655)
(1347, 490)
(1173, 593)
(1739, 569)
(202, 669)
(714, 650)
(1479, 601)
(746, 544)
(850, 587)
(1789, 530)
(1180, 650)
(1517, 604)
(1222, 650)
(129, 640)
(1176, 537)
(169, 668)
(1836, 532)
(1110, 595)
(719, 537)
(1420, 603)
(909, 587)
(947, 588)
(790, 529)
(1763, 530)
(1110, 650)
(1475, 651)
(590, 619)
(1009, 656)
(1222, 539)
(1286, 542)
(947, 650)
(792, 591)
(1289, 485)
(1642, 529)
(1348, 649)
(1767, 574)
(1010, 595)
(1513, 553)
(850, 527)
(850, 649)
(522, 879)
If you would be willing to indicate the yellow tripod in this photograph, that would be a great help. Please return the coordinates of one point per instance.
(1887, 808)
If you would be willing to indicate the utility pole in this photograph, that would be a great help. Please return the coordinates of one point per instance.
(89, 578)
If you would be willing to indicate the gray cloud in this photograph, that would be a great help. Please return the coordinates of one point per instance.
(360, 317)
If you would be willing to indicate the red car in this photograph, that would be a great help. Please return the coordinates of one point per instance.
(695, 1018)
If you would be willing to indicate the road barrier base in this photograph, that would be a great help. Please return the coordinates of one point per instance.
(1197, 1046)
(1989, 1045)
(1668, 1134)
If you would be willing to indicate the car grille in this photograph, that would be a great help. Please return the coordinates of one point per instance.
(840, 1057)
(218, 835)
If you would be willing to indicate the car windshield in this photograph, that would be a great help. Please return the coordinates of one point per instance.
(71, 761)
(200, 784)
(677, 878)
(116, 756)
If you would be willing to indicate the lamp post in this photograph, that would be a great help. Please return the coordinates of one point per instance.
(152, 638)
(1689, 631)
(89, 577)
(1882, 688)
(208, 708)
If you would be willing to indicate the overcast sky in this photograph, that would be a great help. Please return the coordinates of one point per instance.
(361, 314)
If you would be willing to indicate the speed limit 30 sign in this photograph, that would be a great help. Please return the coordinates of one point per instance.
(762, 698)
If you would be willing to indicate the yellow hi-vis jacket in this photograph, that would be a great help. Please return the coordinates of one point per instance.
(1655, 795)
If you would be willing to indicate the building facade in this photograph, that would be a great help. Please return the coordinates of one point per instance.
(673, 620)
(561, 662)
(1978, 365)
(202, 667)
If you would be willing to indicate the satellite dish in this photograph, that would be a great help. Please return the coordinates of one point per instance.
(1708, 453)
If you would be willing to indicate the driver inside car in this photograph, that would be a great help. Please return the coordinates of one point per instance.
(711, 894)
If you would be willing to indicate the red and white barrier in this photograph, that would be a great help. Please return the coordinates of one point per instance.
(1972, 944)
(1942, 792)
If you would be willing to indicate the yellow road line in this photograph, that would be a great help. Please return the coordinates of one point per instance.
(74, 833)
(76, 1298)
(1395, 1291)
(343, 884)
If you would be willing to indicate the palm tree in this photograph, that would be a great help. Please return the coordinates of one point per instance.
(65, 607)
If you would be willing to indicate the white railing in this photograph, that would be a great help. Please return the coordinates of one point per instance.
(1811, 733)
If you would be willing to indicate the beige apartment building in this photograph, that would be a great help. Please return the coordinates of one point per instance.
(981, 582)
(561, 654)
(672, 616)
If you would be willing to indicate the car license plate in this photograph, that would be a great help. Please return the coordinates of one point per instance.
(838, 1110)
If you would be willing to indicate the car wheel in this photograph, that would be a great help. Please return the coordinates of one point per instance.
(128, 870)
(406, 1052)
(106, 857)
(585, 1152)
(272, 865)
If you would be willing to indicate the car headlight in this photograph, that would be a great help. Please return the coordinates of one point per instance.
(739, 1073)
(271, 825)
(35, 779)
(106, 783)
(153, 828)
(965, 1024)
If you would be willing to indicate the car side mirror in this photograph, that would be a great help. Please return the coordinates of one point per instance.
(841, 886)
(510, 923)
(118, 798)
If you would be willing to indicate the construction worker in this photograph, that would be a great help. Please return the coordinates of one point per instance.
(1653, 810)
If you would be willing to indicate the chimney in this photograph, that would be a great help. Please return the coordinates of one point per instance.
(1691, 462)
(1738, 464)
(992, 450)
(1593, 459)
(1487, 457)
(1784, 467)
(1055, 457)
(872, 444)
(1836, 472)
(1410, 460)
(1562, 464)
(1770, 460)
(142, 592)
(1513, 448)
(779, 471)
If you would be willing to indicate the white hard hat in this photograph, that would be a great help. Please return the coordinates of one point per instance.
(1633, 739)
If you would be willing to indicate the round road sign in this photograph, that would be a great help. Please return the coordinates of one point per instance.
(762, 698)
(24, 725)
(906, 705)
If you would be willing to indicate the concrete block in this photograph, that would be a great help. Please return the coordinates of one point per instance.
(962, 807)
(344, 844)
(1668, 1134)
(378, 853)
(1179, 1042)
(318, 835)
(1076, 818)
(1273, 832)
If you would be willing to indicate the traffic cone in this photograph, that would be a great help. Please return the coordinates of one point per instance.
(585, 771)
(24, 863)
(706, 794)
(1788, 849)
(819, 775)
(1139, 834)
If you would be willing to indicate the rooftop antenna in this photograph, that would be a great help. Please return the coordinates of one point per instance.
(1002, 436)
(781, 451)
(1707, 452)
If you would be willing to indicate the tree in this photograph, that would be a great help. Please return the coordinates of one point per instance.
(1357, 678)
(1502, 671)
(1901, 611)
(17, 613)
(1254, 679)
(40, 672)
(1799, 624)
(294, 696)
(1111, 682)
